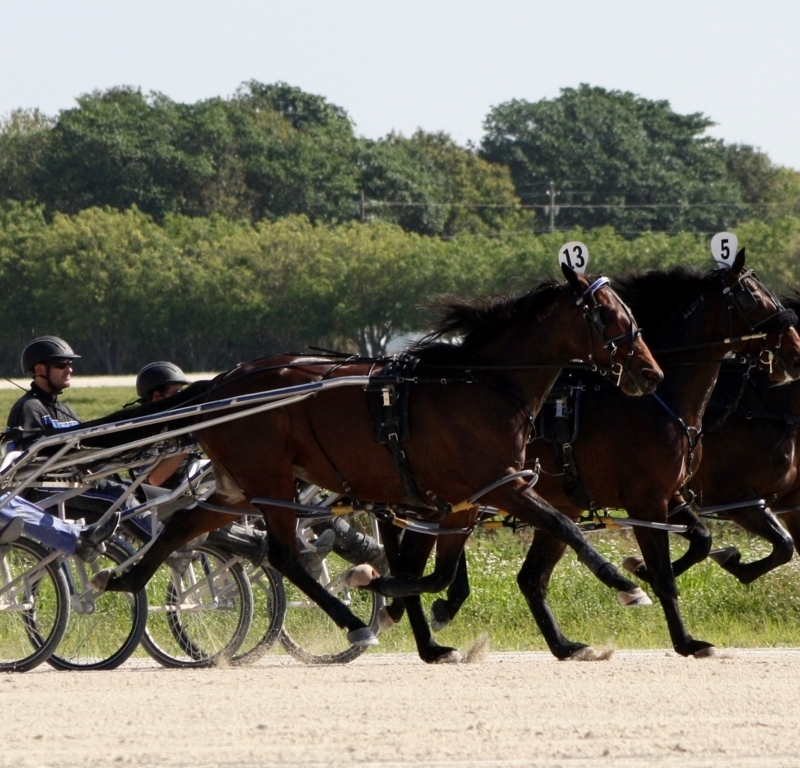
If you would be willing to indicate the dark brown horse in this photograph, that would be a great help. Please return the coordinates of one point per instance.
(469, 414)
(751, 453)
(637, 454)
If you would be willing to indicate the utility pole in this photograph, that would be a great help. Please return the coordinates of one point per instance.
(551, 209)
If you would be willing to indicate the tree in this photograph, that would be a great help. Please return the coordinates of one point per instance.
(297, 152)
(616, 159)
(770, 190)
(24, 137)
(429, 185)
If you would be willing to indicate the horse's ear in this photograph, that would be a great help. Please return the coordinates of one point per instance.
(738, 262)
(572, 279)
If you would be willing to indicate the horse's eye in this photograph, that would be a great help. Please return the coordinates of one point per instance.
(607, 315)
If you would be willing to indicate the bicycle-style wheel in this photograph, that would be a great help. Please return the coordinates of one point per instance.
(269, 610)
(309, 635)
(104, 628)
(201, 607)
(34, 605)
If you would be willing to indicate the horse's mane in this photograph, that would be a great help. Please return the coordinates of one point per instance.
(479, 321)
(655, 295)
(792, 301)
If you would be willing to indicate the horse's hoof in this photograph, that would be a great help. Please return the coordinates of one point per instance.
(635, 598)
(590, 654)
(100, 580)
(364, 637)
(436, 625)
(385, 621)
(726, 555)
(631, 564)
(439, 615)
(360, 575)
(705, 653)
(452, 657)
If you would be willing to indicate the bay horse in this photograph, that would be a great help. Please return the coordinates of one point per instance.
(638, 454)
(751, 453)
(470, 409)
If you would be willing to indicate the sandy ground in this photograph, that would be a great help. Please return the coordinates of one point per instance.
(638, 709)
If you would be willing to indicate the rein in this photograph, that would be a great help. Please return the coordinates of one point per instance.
(591, 312)
(740, 297)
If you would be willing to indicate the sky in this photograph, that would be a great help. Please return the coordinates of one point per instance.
(439, 65)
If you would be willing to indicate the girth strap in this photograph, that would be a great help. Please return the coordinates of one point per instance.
(559, 422)
(390, 415)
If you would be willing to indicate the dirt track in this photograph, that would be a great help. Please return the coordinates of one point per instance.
(638, 709)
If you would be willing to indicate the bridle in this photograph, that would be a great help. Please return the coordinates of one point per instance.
(592, 313)
(742, 299)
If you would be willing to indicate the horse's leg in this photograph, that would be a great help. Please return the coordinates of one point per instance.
(393, 611)
(444, 610)
(284, 555)
(654, 545)
(791, 519)
(413, 554)
(534, 510)
(180, 529)
(533, 580)
(698, 536)
(763, 523)
(449, 547)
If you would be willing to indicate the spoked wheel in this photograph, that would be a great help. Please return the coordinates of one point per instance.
(104, 628)
(308, 633)
(34, 605)
(269, 610)
(201, 608)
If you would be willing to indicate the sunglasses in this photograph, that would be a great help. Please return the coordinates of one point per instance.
(62, 364)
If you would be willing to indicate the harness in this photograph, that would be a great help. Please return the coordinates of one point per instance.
(559, 425)
(389, 409)
(591, 308)
(559, 420)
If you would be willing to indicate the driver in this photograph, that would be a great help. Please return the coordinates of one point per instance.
(48, 360)
(157, 381)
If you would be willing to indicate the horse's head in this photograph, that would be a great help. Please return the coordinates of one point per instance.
(616, 343)
(761, 328)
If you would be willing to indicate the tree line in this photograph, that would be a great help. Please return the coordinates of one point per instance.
(208, 292)
(600, 157)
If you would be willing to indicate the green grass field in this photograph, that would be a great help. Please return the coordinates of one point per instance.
(88, 403)
(715, 606)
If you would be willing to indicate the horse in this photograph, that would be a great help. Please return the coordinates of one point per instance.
(751, 453)
(638, 454)
(470, 409)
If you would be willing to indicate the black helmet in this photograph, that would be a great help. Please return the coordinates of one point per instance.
(43, 349)
(156, 375)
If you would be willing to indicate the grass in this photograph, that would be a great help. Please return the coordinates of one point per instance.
(89, 403)
(714, 605)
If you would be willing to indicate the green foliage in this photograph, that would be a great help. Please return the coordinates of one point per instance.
(429, 185)
(715, 606)
(272, 150)
(617, 159)
(210, 292)
(24, 136)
